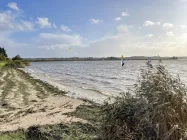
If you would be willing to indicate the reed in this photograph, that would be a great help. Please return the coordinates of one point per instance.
(157, 110)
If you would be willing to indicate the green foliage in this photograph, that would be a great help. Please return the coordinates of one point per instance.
(18, 135)
(16, 63)
(3, 52)
(10, 64)
(157, 111)
(17, 57)
(90, 113)
(2, 57)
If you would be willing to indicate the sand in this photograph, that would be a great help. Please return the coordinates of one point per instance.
(26, 102)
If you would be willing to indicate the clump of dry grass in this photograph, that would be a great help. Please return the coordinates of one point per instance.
(157, 111)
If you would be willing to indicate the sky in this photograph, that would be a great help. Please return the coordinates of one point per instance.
(93, 28)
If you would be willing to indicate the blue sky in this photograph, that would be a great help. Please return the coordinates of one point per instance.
(97, 28)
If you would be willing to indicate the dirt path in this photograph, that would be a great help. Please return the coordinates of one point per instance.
(26, 102)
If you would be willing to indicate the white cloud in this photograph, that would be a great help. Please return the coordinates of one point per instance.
(25, 25)
(118, 18)
(183, 26)
(182, 0)
(169, 34)
(95, 21)
(124, 14)
(65, 28)
(158, 23)
(43, 22)
(168, 25)
(149, 35)
(52, 38)
(13, 5)
(54, 25)
(8, 22)
(182, 38)
(122, 28)
(148, 23)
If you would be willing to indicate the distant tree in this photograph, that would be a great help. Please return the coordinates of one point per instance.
(3, 52)
(17, 57)
(174, 57)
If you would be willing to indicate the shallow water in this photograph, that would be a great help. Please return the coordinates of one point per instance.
(98, 80)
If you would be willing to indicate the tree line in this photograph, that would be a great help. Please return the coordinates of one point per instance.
(4, 56)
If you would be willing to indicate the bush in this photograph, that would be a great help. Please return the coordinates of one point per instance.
(157, 111)
(17, 63)
(17, 57)
(7, 59)
(11, 64)
(26, 63)
(2, 58)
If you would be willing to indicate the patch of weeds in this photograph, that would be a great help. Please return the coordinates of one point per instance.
(49, 88)
(17, 135)
(72, 131)
(87, 112)
(22, 89)
(9, 84)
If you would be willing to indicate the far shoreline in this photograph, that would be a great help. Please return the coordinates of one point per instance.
(103, 58)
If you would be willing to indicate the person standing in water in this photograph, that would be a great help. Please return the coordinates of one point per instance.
(122, 61)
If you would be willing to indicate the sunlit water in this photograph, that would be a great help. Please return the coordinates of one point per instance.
(98, 80)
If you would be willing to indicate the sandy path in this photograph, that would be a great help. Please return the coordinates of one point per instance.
(25, 103)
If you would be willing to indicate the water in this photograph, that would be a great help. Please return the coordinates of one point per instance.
(98, 80)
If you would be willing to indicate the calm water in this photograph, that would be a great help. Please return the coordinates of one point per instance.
(97, 80)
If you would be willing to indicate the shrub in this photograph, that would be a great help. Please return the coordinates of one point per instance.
(157, 111)
(17, 63)
(2, 58)
(17, 57)
(7, 59)
(26, 63)
(11, 64)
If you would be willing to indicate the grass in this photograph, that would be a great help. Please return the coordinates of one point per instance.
(2, 64)
(40, 85)
(90, 113)
(9, 84)
(74, 131)
(157, 111)
(18, 135)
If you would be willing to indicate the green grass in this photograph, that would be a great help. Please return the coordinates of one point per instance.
(74, 131)
(18, 135)
(2, 63)
(90, 113)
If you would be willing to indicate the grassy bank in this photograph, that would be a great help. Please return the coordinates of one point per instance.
(2, 64)
(23, 96)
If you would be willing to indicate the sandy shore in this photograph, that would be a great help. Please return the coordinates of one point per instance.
(27, 102)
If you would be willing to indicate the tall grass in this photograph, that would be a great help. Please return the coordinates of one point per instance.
(157, 110)
(17, 63)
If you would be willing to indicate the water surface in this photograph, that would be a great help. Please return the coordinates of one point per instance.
(97, 80)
